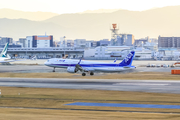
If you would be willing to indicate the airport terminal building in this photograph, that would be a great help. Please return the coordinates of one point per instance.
(45, 53)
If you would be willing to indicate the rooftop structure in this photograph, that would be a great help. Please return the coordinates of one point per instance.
(110, 51)
(104, 42)
(80, 43)
(151, 46)
(70, 43)
(139, 42)
(22, 41)
(123, 40)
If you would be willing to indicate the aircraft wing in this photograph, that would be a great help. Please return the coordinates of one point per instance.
(129, 67)
(79, 67)
(83, 69)
(6, 61)
(126, 67)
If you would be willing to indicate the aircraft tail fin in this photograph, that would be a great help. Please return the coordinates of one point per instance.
(128, 60)
(4, 52)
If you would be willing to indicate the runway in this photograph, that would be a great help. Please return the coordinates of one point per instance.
(154, 86)
(45, 69)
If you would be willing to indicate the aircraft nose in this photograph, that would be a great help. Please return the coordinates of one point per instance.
(46, 63)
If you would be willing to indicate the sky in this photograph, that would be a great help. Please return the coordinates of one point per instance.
(76, 6)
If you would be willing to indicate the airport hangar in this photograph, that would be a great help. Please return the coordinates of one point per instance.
(54, 52)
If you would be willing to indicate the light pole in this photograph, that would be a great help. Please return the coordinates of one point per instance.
(64, 46)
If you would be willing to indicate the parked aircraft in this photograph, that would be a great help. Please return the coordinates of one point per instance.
(4, 57)
(90, 66)
(34, 58)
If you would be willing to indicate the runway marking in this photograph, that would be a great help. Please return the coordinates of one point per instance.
(141, 84)
(156, 88)
(125, 105)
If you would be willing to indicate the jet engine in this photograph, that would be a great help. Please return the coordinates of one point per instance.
(72, 70)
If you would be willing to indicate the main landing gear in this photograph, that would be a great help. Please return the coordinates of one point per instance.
(91, 73)
(83, 74)
(54, 69)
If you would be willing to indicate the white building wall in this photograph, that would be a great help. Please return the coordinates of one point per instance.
(89, 52)
(88, 44)
(28, 43)
(63, 42)
(129, 40)
(107, 51)
(80, 43)
(100, 52)
(43, 43)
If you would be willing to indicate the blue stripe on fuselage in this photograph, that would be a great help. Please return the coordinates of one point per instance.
(91, 65)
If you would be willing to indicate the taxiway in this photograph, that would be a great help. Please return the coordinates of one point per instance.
(155, 86)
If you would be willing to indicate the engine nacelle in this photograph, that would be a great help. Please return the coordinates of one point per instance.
(71, 70)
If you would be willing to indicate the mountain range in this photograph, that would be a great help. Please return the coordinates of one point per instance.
(95, 26)
(34, 16)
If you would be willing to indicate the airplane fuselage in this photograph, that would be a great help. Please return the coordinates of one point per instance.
(89, 65)
(3, 58)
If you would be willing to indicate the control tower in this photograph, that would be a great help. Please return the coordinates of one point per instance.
(114, 28)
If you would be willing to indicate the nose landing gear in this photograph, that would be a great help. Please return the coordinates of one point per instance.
(91, 73)
(54, 69)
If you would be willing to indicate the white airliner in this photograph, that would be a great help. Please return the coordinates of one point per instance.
(3, 55)
(89, 66)
(4, 58)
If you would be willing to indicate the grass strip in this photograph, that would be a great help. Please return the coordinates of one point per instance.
(134, 75)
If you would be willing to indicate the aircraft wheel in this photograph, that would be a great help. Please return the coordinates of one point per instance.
(91, 73)
(83, 74)
(54, 70)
